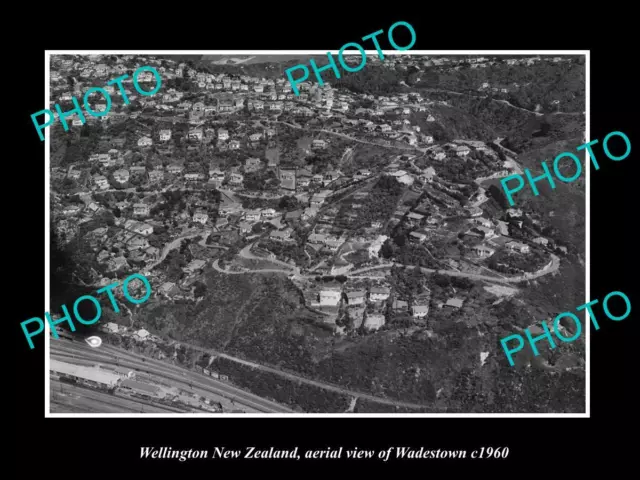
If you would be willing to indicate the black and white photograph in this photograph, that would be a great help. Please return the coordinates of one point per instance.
(314, 242)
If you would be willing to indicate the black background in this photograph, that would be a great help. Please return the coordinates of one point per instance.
(74, 448)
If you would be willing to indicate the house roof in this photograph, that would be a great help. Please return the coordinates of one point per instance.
(356, 294)
(454, 302)
(379, 290)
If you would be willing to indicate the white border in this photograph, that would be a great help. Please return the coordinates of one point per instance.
(47, 412)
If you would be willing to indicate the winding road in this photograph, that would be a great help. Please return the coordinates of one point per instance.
(504, 102)
(397, 147)
(555, 264)
(172, 245)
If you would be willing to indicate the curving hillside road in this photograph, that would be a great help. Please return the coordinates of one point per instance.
(504, 102)
(555, 264)
(399, 147)
(217, 268)
(172, 245)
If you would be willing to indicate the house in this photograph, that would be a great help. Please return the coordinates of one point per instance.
(223, 134)
(418, 237)
(141, 209)
(71, 209)
(268, 213)
(234, 144)
(487, 232)
(439, 155)
(252, 215)
(255, 137)
(431, 118)
(454, 303)
(245, 227)
(165, 135)
(216, 174)
(195, 134)
(137, 243)
(333, 245)
(194, 266)
(201, 216)
(111, 327)
(415, 218)
(462, 151)
(374, 322)
(280, 235)
(483, 250)
(145, 142)
(317, 201)
(194, 177)
(236, 178)
(252, 164)
(117, 263)
(317, 238)
(141, 334)
(138, 227)
(356, 298)
(288, 179)
(156, 175)
(517, 247)
(318, 144)
(483, 221)
(293, 216)
(175, 169)
(503, 228)
(331, 177)
(138, 170)
(419, 311)
(330, 297)
(309, 212)
(541, 241)
(228, 206)
(74, 174)
(101, 181)
(379, 294)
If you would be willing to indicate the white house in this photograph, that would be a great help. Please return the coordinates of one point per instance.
(517, 247)
(329, 297)
(200, 216)
(141, 334)
(420, 311)
(141, 209)
(252, 215)
(378, 294)
(145, 142)
(374, 322)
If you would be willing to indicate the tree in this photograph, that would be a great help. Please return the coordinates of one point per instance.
(386, 251)
(200, 289)
(288, 203)
(400, 239)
